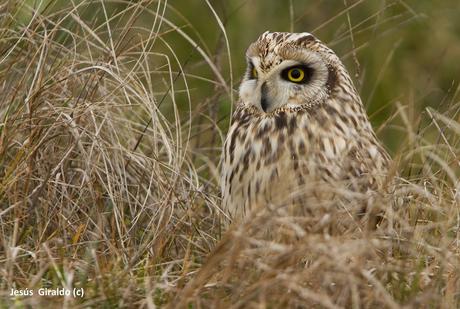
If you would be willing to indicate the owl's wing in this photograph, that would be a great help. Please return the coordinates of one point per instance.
(366, 165)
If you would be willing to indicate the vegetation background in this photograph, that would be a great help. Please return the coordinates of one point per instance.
(112, 115)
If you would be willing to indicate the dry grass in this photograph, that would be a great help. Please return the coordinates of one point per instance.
(109, 180)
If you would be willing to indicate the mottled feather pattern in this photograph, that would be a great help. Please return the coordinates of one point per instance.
(319, 136)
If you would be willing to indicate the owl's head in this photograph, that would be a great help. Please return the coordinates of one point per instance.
(289, 70)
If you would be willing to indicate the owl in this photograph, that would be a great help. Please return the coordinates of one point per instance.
(299, 134)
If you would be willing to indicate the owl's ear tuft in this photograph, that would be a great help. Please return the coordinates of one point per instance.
(305, 39)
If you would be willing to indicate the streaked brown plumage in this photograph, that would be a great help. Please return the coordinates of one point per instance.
(297, 143)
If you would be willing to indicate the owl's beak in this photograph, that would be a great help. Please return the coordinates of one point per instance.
(264, 100)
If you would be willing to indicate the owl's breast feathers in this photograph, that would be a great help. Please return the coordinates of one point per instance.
(288, 156)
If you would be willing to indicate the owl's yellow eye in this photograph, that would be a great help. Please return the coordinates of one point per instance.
(254, 73)
(299, 74)
(296, 75)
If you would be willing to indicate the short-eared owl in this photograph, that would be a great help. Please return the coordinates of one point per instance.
(299, 129)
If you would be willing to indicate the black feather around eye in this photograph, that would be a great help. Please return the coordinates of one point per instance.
(252, 72)
(292, 73)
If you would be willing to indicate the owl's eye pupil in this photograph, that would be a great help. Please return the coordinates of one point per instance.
(295, 73)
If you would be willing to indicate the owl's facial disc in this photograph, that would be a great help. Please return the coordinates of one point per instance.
(290, 83)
